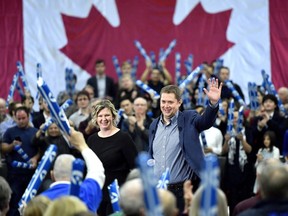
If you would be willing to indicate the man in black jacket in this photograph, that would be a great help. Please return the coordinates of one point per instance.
(103, 85)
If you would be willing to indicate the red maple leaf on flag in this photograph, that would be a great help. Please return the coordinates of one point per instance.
(150, 22)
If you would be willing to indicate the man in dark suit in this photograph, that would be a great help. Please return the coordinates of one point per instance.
(174, 138)
(224, 75)
(103, 85)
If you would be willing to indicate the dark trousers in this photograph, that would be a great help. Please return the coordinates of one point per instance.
(18, 184)
(177, 190)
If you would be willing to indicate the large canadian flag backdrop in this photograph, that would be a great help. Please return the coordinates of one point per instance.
(248, 35)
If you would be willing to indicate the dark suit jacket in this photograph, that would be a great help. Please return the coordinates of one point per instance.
(110, 86)
(227, 94)
(38, 120)
(190, 124)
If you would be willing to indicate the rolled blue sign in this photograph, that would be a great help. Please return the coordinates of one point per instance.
(147, 89)
(142, 50)
(22, 76)
(234, 92)
(39, 175)
(210, 183)
(21, 152)
(58, 114)
(164, 180)
(240, 120)
(76, 177)
(117, 66)
(134, 67)
(177, 68)
(153, 58)
(230, 118)
(190, 77)
(166, 53)
(113, 189)
(151, 199)
(38, 71)
(203, 138)
(23, 165)
(12, 89)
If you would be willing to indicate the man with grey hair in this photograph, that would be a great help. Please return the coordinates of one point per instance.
(273, 184)
(283, 95)
(5, 196)
(132, 199)
(91, 187)
(3, 114)
(252, 201)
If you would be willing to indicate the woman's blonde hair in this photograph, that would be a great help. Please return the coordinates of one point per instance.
(37, 206)
(66, 205)
(102, 105)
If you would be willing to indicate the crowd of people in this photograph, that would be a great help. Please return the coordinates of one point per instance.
(175, 138)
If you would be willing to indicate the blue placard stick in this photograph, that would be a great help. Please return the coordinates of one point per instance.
(210, 184)
(49, 121)
(19, 89)
(255, 96)
(38, 71)
(201, 85)
(142, 50)
(19, 164)
(221, 109)
(250, 94)
(58, 114)
(190, 60)
(219, 64)
(177, 68)
(39, 175)
(151, 199)
(230, 118)
(168, 50)
(22, 153)
(134, 67)
(113, 189)
(234, 92)
(190, 77)
(265, 83)
(76, 177)
(271, 90)
(240, 120)
(23, 77)
(203, 138)
(117, 66)
(186, 99)
(148, 89)
(153, 58)
(161, 52)
(164, 180)
(12, 89)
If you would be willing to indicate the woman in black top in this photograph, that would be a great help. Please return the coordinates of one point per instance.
(114, 148)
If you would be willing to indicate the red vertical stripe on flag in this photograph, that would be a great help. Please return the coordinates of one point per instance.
(11, 41)
(278, 10)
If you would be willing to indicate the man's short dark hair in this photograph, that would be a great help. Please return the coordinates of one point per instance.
(25, 97)
(22, 108)
(99, 61)
(82, 93)
(270, 97)
(172, 89)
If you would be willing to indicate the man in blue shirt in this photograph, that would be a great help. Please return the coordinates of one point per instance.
(174, 138)
(91, 187)
(21, 134)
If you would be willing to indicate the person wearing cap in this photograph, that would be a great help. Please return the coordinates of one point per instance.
(269, 119)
